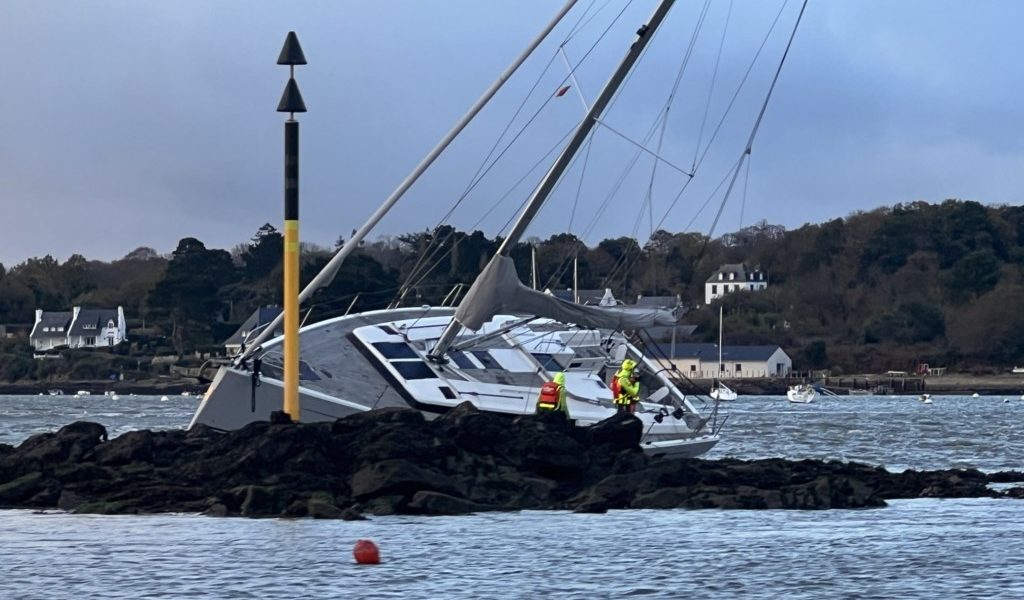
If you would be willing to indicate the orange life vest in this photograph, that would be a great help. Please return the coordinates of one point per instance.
(615, 387)
(549, 393)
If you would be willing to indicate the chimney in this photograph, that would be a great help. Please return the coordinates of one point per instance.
(39, 315)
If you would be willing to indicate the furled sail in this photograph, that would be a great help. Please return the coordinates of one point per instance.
(498, 290)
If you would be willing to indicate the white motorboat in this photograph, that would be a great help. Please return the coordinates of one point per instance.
(801, 394)
(498, 346)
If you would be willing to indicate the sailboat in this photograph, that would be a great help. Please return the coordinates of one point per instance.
(720, 391)
(802, 393)
(494, 350)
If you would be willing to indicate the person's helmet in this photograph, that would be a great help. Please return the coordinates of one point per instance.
(628, 364)
(559, 378)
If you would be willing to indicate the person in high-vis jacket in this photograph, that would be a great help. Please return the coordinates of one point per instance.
(626, 387)
(552, 395)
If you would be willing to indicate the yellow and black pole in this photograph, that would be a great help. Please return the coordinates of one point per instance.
(291, 103)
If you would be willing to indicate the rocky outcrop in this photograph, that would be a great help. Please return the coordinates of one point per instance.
(393, 461)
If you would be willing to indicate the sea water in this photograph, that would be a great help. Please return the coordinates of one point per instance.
(925, 548)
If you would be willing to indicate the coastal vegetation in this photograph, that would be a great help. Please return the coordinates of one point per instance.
(887, 289)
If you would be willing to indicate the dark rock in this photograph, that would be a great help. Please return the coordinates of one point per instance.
(69, 500)
(351, 514)
(1014, 492)
(384, 505)
(321, 509)
(436, 503)
(216, 510)
(397, 477)
(13, 493)
(394, 461)
(264, 501)
(621, 431)
(1000, 477)
(131, 447)
(279, 417)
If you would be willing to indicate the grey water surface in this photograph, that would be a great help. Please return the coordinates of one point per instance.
(923, 548)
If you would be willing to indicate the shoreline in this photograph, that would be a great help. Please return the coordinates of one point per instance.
(171, 387)
(955, 385)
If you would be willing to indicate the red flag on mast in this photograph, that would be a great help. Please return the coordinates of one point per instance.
(562, 91)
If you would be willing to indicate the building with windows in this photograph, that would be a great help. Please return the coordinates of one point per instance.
(80, 328)
(700, 361)
(733, 278)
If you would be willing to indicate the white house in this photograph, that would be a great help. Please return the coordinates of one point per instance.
(80, 328)
(733, 278)
(700, 361)
(50, 330)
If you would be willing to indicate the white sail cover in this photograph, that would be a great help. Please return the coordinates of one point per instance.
(498, 290)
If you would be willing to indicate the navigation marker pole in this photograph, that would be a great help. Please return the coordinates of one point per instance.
(291, 103)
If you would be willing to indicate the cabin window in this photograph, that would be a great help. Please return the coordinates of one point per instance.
(395, 350)
(413, 369)
(486, 359)
(463, 361)
(548, 362)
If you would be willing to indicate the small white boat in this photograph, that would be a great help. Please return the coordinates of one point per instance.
(83, 393)
(115, 397)
(720, 391)
(801, 394)
(975, 395)
(56, 392)
(164, 398)
(926, 398)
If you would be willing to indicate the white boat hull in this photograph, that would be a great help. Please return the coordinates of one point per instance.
(801, 396)
(723, 393)
(347, 376)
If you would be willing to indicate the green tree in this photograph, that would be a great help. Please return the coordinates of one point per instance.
(188, 292)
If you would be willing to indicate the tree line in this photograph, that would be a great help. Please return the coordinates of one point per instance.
(884, 289)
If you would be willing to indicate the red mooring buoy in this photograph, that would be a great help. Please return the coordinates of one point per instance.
(366, 552)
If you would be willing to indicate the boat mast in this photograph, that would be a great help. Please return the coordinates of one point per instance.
(721, 311)
(533, 265)
(547, 184)
(326, 275)
(576, 279)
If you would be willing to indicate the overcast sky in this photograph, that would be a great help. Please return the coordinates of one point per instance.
(127, 123)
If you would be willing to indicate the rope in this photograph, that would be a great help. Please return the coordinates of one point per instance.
(478, 177)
